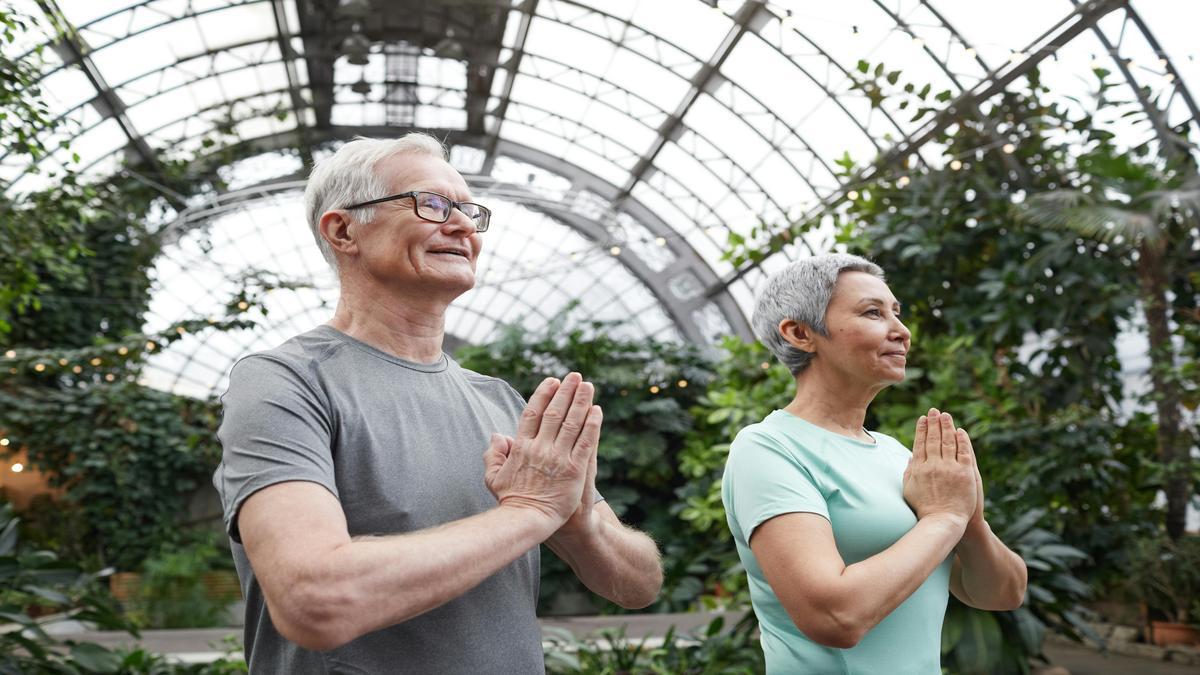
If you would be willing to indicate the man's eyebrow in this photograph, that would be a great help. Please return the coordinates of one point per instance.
(878, 301)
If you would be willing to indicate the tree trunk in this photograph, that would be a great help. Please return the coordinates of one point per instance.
(1172, 450)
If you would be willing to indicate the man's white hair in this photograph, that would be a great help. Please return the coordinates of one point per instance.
(801, 292)
(348, 176)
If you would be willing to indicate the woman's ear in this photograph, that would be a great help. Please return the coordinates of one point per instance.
(798, 335)
(335, 229)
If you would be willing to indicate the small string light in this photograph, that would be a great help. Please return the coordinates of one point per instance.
(661, 241)
(10, 354)
(616, 250)
(4, 442)
(766, 365)
(902, 181)
(18, 467)
(955, 165)
(96, 361)
(123, 351)
(1009, 148)
(852, 195)
(150, 346)
(109, 377)
(181, 330)
(654, 389)
(77, 369)
(62, 362)
(40, 367)
(682, 384)
(243, 305)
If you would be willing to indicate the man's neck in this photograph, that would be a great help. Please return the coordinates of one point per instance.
(831, 403)
(398, 324)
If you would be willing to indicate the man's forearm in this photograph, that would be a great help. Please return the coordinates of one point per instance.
(370, 583)
(993, 576)
(613, 561)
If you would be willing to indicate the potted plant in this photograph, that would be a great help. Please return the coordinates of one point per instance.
(1165, 576)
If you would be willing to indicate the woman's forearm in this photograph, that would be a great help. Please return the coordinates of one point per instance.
(871, 589)
(993, 577)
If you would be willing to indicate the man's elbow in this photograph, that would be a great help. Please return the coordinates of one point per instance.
(315, 617)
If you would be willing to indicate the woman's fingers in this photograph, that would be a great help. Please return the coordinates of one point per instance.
(949, 438)
(933, 437)
(966, 451)
(919, 454)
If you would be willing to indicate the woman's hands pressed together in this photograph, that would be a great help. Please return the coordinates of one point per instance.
(942, 480)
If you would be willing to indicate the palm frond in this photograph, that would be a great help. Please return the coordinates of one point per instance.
(1091, 217)
(1184, 200)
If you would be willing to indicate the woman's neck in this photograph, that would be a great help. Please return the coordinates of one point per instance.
(831, 404)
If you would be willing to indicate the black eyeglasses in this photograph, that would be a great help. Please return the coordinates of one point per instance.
(435, 208)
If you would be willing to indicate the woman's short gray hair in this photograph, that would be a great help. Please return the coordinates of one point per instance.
(801, 292)
(348, 176)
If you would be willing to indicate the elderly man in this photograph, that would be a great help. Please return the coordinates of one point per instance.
(369, 535)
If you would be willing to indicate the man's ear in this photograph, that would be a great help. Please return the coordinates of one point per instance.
(335, 229)
(798, 335)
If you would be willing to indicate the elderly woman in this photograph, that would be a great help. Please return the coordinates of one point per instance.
(850, 540)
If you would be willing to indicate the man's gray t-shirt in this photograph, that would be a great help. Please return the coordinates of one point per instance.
(400, 444)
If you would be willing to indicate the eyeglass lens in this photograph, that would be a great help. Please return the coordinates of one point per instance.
(435, 207)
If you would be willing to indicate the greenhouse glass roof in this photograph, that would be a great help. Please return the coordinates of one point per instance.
(621, 143)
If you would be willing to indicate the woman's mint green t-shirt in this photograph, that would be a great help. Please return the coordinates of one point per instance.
(787, 465)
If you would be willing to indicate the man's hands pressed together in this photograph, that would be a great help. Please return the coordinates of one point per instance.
(550, 468)
(551, 464)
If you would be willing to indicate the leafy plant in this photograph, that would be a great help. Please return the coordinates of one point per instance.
(127, 456)
(173, 592)
(1165, 574)
(710, 652)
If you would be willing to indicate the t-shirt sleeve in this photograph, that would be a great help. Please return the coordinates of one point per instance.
(768, 480)
(276, 427)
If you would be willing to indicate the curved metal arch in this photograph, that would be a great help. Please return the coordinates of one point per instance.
(1063, 31)
(990, 124)
(700, 62)
(626, 92)
(1169, 144)
(177, 64)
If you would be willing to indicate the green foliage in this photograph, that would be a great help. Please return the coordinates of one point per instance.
(749, 384)
(645, 388)
(1165, 575)
(128, 457)
(712, 652)
(37, 581)
(173, 593)
(975, 641)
